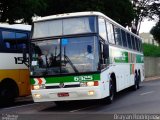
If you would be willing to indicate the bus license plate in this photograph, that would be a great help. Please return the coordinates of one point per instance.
(63, 94)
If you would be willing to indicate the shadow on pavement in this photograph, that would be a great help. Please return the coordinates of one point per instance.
(18, 102)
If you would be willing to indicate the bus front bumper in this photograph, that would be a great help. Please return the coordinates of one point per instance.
(66, 94)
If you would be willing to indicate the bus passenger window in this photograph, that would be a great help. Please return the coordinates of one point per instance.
(7, 44)
(137, 45)
(21, 39)
(9, 39)
(117, 34)
(102, 28)
(110, 33)
(124, 40)
(140, 45)
(133, 42)
(129, 41)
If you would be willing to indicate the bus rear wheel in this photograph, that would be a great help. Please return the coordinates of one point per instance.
(136, 82)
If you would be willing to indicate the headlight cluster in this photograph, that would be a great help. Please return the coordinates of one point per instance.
(89, 84)
(37, 87)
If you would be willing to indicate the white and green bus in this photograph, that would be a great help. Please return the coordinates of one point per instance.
(83, 56)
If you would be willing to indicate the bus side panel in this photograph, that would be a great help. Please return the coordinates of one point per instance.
(9, 74)
(104, 83)
(24, 82)
(120, 67)
(122, 74)
(124, 63)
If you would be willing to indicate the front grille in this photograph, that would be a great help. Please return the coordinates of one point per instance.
(66, 86)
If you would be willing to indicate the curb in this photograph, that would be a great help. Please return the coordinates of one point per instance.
(152, 78)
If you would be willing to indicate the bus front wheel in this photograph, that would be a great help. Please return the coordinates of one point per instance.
(111, 94)
(110, 98)
(7, 92)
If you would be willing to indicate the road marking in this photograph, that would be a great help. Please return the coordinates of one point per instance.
(19, 106)
(82, 108)
(147, 93)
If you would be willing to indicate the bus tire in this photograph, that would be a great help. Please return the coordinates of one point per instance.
(136, 82)
(111, 92)
(8, 92)
(110, 98)
(139, 78)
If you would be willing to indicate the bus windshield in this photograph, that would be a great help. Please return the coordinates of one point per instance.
(63, 56)
(65, 26)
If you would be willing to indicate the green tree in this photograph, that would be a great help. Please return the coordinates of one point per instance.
(24, 10)
(144, 9)
(119, 10)
(155, 31)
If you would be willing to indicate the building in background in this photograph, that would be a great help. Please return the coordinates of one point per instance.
(148, 38)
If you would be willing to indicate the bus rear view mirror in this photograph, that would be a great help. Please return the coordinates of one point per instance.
(105, 51)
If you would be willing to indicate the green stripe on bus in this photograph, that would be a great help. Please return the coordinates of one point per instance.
(121, 56)
(139, 59)
(122, 59)
(76, 78)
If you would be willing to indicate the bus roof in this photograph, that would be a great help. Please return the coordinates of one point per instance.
(16, 26)
(77, 14)
(65, 15)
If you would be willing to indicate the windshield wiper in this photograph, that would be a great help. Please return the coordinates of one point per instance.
(69, 61)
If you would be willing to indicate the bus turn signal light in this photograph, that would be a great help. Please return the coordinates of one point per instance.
(96, 83)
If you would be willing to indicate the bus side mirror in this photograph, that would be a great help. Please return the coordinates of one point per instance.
(24, 55)
(105, 51)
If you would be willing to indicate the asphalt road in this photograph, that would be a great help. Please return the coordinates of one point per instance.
(144, 102)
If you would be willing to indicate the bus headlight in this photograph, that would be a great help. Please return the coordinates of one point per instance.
(93, 83)
(89, 84)
(37, 87)
(37, 95)
(31, 73)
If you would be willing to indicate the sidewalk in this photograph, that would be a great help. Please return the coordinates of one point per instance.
(152, 78)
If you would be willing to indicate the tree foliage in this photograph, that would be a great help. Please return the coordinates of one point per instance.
(144, 9)
(12, 10)
(155, 31)
(24, 10)
(119, 10)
